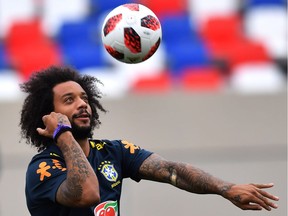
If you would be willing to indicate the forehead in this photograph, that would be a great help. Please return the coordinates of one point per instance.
(69, 87)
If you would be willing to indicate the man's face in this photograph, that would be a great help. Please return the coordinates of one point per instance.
(71, 100)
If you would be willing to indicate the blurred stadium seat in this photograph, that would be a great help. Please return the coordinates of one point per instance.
(159, 83)
(178, 27)
(203, 10)
(228, 44)
(164, 8)
(202, 79)
(183, 45)
(29, 49)
(186, 54)
(268, 25)
(9, 85)
(13, 11)
(4, 63)
(79, 43)
(99, 6)
(257, 78)
(54, 13)
(256, 3)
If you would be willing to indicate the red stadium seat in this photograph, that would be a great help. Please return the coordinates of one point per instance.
(164, 7)
(222, 30)
(160, 83)
(41, 56)
(202, 79)
(29, 49)
(227, 43)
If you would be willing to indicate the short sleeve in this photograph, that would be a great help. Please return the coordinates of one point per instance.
(133, 157)
(43, 178)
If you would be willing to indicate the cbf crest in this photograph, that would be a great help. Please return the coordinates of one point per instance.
(108, 170)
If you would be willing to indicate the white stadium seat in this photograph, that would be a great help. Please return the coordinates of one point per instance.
(268, 25)
(202, 10)
(15, 10)
(257, 78)
(55, 13)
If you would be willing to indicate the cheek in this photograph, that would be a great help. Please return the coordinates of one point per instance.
(65, 110)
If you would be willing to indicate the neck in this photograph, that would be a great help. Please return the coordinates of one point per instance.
(84, 144)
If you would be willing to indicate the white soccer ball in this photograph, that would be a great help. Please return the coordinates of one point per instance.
(131, 33)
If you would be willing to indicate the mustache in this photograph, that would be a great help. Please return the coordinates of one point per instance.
(81, 112)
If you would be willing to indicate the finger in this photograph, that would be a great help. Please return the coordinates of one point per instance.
(41, 131)
(251, 207)
(261, 186)
(263, 201)
(268, 195)
(44, 119)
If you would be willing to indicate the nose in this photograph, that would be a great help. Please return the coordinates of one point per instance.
(82, 103)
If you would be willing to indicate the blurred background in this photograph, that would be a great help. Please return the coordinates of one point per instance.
(214, 94)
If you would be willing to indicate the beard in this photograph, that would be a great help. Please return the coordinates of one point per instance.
(81, 132)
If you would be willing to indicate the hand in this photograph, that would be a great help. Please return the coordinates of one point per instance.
(51, 122)
(251, 196)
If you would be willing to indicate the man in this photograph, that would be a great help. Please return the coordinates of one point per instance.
(73, 173)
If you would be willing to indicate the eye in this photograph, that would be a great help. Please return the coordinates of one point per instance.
(85, 98)
(68, 100)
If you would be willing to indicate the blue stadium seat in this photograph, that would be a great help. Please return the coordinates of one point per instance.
(182, 43)
(253, 3)
(4, 64)
(186, 54)
(80, 44)
(178, 27)
(78, 31)
(83, 55)
(100, 6)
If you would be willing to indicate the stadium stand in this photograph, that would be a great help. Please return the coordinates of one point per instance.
(205, 43)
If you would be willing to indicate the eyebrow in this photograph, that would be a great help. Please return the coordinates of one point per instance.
(70, 94)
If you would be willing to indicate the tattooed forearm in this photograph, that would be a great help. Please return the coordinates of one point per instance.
(224, 189)
(77, 171)
(182, 175)
(155, 168)
(196, 180)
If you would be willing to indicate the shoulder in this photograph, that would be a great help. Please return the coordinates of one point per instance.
(121, 145)
(46, 171)
(52, 152)
(48, 160)
(101, 144)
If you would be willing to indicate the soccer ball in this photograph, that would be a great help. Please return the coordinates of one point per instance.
(131, 33)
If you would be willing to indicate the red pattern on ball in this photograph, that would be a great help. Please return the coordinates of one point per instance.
(114, 53)
(132, 7)
(132, 40)
(152, 50)
(111, 23)
(150, 22)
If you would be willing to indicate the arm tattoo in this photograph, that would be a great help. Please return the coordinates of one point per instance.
(62, 120)
(77, 171)
(237, 198)
(181, 175)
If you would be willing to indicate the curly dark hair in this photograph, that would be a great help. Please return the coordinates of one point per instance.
(39, 101)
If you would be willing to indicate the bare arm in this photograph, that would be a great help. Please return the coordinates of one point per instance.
(81, 187)
(194, 180)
